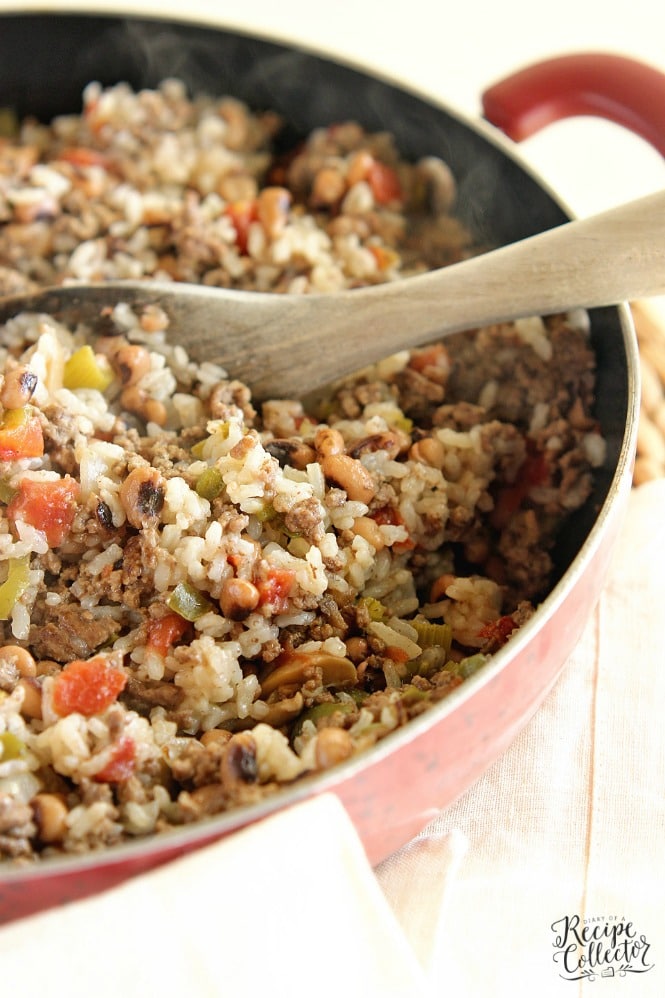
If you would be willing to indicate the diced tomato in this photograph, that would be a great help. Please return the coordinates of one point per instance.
(48, 506)
(384, 183)
(87, 687)
(274, 590)
(122, 763)
(396, 654)
(499, 630)
(165, 632)
(82, 157)
(242, 214)
(385, 258)
(20, 435)
(534, 471)
(389, 515)
(435, 355)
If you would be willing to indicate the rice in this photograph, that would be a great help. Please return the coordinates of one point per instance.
(195, 589)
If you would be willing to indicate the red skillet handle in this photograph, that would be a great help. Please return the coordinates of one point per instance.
(624, 90)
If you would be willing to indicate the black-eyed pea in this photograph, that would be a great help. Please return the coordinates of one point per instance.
(359, 165)
(351, 475)
(429, 451)
(142, 496)
(239, 598)
(31, 708)
(393, 442)
(216, 736)
(333, 745)
(272, 208)
(328, 440)
(291, 451)
(17, 388)
(141, 404)
(356, 649)
(329, 186)
(369, 530)
(239, 764)
(50, 815)
(131, 362)
(153, 319)
(439, 587)
(20, 658)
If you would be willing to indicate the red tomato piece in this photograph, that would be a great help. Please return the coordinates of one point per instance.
(384, 183)
(396, 654)
(275, 589)
(498, 630)
(82, 157)
(122, 763)
(20, 435)
(385, 258)
(165, 632)
(87, 687)
(242, 214)
(389, 515)
(47, 506)
(435, 355)
(534, 471)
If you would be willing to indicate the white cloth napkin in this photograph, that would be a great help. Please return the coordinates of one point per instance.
(567, 825)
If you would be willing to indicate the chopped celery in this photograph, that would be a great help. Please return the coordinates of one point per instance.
(188, 602)
(197, 448)
(221, 431)
(11, 746)
(84, 369)
(374, 607)
(7, 493)
(403, 423)
(431, 635)
(321, 710)
(411, 694)
(14, 585)
(266, 513)
(209, 484)
(467, 666)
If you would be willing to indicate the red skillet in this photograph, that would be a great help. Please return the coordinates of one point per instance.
(393, 790)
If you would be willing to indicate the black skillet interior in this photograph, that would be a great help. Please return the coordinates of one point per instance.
(47, 59)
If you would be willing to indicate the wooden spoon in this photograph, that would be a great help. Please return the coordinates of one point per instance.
(289, 345)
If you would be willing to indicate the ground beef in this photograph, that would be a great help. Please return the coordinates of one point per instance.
(64, 633)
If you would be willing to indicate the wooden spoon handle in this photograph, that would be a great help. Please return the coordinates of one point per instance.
(602, 260)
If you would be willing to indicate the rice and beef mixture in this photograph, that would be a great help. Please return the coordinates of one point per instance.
(203, 599)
